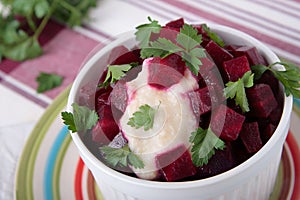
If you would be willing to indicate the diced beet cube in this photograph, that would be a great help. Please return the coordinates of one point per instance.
(275, 115)
(239, 152)
(267, 132)
(226, 123)
(218, 163)
(87, 95)
(202, 100)
(176, 164)
(106, 128)
(261, 100)
(157, 75)
(236, 68)
(118, 96)
(169, 33)
(102, 97)
(218, 54)
(250, 136)
(205, 37)
(121, 55)
(231, 48)
(176, 23)
(269, 79)
(254, 57)
(214, 82)
(175, 61)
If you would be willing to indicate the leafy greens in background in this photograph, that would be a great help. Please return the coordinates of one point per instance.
(25, 20)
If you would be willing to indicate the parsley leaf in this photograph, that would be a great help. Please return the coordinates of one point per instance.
(204, 144)
(188, 45)
(143, 117)
(144, 32)
(121, 157)
(81, 120)
(47, 81)
(236, 90)
(290, 78)
(215, 37)
(115, 73)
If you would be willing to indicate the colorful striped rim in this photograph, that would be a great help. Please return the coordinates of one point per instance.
(82, 182)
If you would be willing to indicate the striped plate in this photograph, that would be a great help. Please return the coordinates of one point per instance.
(50, 167)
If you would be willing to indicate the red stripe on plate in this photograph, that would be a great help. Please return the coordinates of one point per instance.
(261, 36)
(78, 180)
(294, 148)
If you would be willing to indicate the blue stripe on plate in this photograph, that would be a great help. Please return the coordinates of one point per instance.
(297, 102)
(48, 175)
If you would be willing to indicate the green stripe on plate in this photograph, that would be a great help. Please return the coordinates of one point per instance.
(25, 169)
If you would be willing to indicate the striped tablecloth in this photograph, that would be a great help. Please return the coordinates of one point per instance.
(274, 22)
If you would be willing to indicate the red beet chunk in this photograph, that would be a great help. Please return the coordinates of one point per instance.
(176, 23)
(87, 95)
(169, 33)
(268, 132)
(205, 37)
(175, 61)
(254, 57)
(218, 54)
(220, 162)
(214, 82)
(106, 128)
(261, 100)
(226, 123)
(251, 137)
(102, 97)
(236, 68)
(269, 79)
(202, 100)
(121, 55)
(275, 115)
(158, 78)
(118, 97)
(176, 164)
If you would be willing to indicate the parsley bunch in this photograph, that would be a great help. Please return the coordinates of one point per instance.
(24, 21)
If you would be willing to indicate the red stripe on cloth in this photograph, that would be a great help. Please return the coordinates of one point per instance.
(50, 31)
(91, 186)
(78, 180)
(294, 148)
(261, 36)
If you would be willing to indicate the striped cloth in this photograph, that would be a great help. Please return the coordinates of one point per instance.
(274, 22)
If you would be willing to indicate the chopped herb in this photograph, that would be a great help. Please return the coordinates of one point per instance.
(115, 73)
(48, 81)
(81, 120)
(143, 117)
(122, 157)
(290, 78)
(144, 32)
(236, 90)
(204, 144)
(187, 44)
(214, 36)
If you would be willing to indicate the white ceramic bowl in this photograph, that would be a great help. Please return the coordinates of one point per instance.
(253, 179)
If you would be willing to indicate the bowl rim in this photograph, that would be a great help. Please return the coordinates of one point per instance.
(277, 135)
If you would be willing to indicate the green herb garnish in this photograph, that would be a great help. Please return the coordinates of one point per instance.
(48, 81)
(122, 157)
(236, 90)
(19, 44)
(115, 73)
(214, 36)
(143, 117)
(290, 78)
(144, 31)
(204, 144)
(187, 44)
(81, 120)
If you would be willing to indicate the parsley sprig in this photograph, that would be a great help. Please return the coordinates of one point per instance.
(290, 78)
(214, 36)
(48, 81)
(204, 144)
(236, 90)
(144, 117)
(116, 72)
(81, 120)
(187, 45)
(20, 43)
(122, 157)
